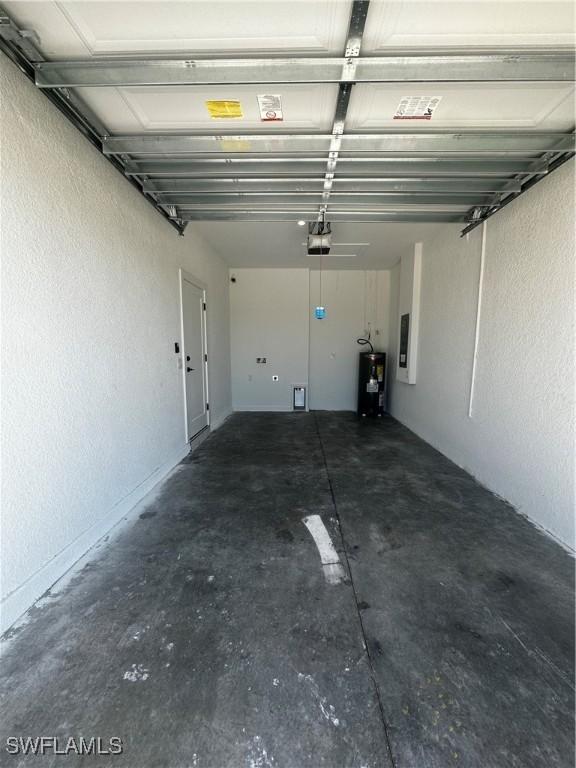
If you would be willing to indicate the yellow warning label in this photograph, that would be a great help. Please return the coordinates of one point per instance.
(224, 109)
(380, 372)
(235, 145)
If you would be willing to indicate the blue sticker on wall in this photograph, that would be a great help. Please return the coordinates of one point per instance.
(320, 313)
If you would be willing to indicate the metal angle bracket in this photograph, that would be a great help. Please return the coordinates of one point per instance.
(358, 16)
(541, 167)
(21, 47)
(26, 40)
(27, 43)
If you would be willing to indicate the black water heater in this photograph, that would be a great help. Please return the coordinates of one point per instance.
(371, 383)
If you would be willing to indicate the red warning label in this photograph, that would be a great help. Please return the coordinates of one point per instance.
(416, 107)
(270, 106)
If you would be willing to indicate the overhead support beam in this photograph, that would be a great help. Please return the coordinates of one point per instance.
(21, 47)
(421, 143)
(26, 42)
(310, 215)
(358, 16)
(360, 185)
(387, 177)
(513, 66)
(513, 187)
(477, 215)
(255, 199)
(362, 167)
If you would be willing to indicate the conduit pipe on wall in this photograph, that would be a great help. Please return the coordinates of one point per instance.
(478, 319)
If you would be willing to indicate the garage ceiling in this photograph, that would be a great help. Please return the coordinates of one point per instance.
(282, 244)
(391, 111)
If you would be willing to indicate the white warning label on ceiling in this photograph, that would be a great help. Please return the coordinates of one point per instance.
(270, 108)
(416, 107)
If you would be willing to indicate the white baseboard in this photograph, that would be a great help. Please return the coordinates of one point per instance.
(21, 599)
(219, 419)
(264, 409)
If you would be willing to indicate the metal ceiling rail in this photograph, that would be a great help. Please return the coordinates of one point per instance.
(255, 199)
(367, 168)
(21, 47)
(501, 143)
(346, 215)
(419, 170)
(518, 66)
(358, 16)
(478, 216)
(374, 185)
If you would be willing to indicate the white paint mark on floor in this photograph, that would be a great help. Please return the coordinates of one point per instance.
(327, 710)
(333, 570)
(259, 757)
(136, 673)
(321, 537)
(334, 573)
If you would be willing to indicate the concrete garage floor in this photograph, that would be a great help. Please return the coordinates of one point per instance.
(207, 635)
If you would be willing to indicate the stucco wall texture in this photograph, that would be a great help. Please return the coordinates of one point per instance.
(519, 440)
(92, 400)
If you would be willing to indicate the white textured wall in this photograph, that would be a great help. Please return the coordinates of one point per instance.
(92, 403)
(269, 318)
(520, 439)
(271, 315)
(355, 300)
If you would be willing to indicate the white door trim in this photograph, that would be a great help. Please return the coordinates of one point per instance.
(184, 275)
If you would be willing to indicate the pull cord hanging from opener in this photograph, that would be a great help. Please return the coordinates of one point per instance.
(323, 230)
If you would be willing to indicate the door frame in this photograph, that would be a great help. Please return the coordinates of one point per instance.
(184, 275)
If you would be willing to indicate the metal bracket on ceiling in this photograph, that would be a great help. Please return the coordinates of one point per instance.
(509, 157)
(358, 16)
(26, 40)
(26, 43)
(21, 46)
(540, 168)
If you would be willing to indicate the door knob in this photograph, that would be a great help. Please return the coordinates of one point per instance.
(189, 369)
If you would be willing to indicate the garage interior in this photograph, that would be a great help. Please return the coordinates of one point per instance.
(287, 383)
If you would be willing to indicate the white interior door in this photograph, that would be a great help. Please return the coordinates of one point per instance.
(194, 356)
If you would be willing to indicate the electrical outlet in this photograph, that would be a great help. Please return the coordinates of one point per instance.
(275, 378)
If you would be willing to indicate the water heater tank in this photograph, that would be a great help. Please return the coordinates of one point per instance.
(371, 383)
